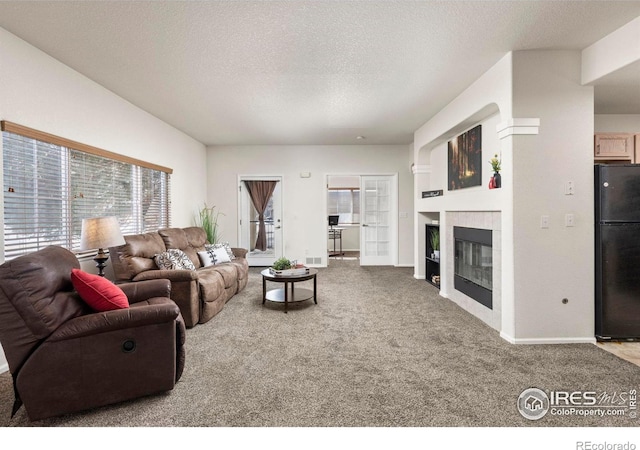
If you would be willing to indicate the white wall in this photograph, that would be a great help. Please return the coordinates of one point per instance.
(41, 93)
(304, 199)
(617, 123)
(557, 262)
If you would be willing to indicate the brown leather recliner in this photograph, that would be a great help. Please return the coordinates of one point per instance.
(64, 357)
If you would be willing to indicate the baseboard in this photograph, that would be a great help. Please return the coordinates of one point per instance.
(404, 265)
(417, 276)
(535, 341)
(4, 368)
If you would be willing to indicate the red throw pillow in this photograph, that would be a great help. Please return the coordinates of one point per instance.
(98, 292)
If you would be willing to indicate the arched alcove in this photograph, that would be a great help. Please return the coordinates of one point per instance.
(424, 166)
(423, 153)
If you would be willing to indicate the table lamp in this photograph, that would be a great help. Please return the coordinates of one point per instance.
(100, 233)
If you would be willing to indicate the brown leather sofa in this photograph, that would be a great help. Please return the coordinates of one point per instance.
(199, 293)
(64, 357)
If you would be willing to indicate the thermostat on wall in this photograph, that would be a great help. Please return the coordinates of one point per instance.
(305, 174)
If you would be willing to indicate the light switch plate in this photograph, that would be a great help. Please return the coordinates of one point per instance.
(544, 221)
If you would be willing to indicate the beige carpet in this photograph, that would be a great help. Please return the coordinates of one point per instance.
(380, 349)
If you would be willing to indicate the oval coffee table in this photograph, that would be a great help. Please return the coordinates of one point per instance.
(286, 295)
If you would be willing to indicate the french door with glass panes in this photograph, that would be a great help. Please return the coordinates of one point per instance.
(378, 214)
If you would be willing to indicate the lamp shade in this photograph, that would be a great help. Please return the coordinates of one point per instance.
(100, 232)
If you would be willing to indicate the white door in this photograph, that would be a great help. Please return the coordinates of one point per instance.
(378, 213)
(249, 223)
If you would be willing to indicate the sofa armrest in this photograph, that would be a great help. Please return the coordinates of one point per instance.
(171, 275)
(143, 290)
(160, 311)
(239, 252)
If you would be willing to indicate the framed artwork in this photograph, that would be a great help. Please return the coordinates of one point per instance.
(465, 159)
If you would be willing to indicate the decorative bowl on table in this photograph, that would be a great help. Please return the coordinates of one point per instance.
(288, 272)
(284, 267)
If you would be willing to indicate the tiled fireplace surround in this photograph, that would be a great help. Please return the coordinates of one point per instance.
(486, 220)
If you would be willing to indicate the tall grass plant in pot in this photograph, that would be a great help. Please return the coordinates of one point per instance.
(207, 219)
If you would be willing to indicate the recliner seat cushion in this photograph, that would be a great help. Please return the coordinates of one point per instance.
(242, 266)
(211, 285)
(228, 272)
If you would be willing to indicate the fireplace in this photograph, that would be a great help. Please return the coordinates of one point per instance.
(473, 267)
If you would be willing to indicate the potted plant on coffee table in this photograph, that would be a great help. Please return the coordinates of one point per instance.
(284, 267)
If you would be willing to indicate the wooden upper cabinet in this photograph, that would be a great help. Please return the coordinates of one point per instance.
(614, 147)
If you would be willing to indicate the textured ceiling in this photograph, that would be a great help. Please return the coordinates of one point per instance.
(302, 72)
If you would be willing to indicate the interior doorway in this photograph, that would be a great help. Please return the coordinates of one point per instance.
(362, 212)
(343, 217)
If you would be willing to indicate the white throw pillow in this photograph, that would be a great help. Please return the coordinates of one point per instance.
(224, 245)
(221, 256)
(213, 256)
(206, 258)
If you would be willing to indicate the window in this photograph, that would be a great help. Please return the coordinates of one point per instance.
(49, 188)
(345, 203)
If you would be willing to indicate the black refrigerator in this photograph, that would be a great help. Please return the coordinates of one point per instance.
(617, 251)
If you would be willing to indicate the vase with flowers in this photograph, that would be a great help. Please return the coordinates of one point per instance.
(496, 179)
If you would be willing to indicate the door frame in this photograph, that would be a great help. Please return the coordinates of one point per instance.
(394, 208)
(271, 177)
(393, 220)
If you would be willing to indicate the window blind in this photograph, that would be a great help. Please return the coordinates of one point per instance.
(345, 203)
(50, 188)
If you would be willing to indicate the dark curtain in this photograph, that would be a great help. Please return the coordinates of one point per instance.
(260, 193)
